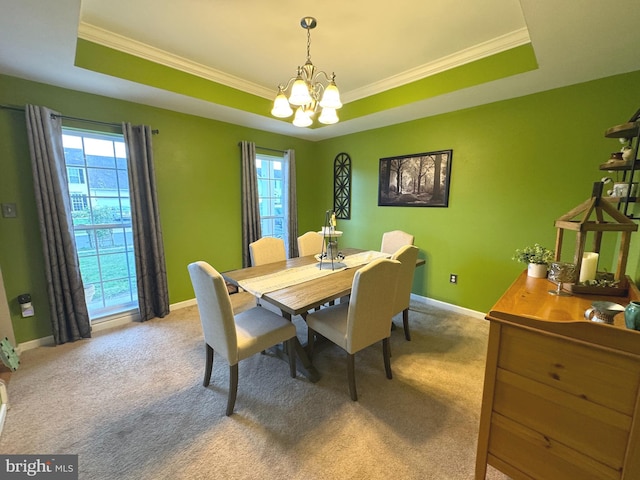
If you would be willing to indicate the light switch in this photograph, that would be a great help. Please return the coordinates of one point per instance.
(9, 210)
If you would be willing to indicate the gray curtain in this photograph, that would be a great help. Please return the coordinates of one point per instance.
(292, 202)
(151, 271)
(250, 208)
(69, 315)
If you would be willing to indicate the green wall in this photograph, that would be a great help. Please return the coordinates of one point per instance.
(517, 166)
(198, 174)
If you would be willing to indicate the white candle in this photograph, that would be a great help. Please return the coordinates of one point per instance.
(589, 266)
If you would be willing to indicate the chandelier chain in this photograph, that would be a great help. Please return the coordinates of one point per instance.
(308, 45)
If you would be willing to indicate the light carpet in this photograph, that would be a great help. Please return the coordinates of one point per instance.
(131, 404)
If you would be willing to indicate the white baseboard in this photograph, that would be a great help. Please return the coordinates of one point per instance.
(448, 306)
(38, 342)
(184, 304)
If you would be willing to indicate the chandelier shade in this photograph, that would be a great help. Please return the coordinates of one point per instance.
(302, 118)
(331, 97)
(281, 107)
(328, 116)
(307, 92)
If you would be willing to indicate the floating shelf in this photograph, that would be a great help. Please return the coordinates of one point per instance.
(626, 130)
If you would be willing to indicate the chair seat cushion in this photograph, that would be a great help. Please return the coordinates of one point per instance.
(258, 329)
(331, 322)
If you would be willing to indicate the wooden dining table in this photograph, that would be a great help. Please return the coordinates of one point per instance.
(300, 298)
(303, 297)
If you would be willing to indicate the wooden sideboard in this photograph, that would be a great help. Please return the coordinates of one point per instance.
(561, 394)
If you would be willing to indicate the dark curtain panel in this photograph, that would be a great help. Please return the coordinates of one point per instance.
(250, 208)
(69, 315)
(151, 271)
(292, 202)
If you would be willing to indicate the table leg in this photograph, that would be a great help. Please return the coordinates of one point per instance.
(304, 365)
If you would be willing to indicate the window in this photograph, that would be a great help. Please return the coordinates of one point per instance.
(271, 197)
(76, 175)
(101, 213)
(79, 202)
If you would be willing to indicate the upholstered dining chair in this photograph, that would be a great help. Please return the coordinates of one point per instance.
(235, 337)
(407, 257)
(365, 320)
(392, 241)
(267, 250)
(310, 243)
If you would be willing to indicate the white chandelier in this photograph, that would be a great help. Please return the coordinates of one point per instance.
(307, 93)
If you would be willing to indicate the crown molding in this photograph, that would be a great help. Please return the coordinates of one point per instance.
(477, 52)
(124, 44)
(103, 37)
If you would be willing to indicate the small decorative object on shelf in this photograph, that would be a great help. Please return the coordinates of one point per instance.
(625, 162)
(632, 316)
(606, 218)
(562, 272)
(537, 259)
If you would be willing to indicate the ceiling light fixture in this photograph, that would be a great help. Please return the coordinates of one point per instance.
(307, 93)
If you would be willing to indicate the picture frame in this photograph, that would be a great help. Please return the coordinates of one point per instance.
(424, 180)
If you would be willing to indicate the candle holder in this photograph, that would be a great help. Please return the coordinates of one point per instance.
(561, 272)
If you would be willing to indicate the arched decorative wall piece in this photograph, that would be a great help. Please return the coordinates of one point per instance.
(342, 186)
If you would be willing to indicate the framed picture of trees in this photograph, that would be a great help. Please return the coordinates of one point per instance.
(417, 180)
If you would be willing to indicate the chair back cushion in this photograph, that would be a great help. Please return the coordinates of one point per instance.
(310, 243)
(370, 307)
(267, 250)
(392, 241)
(216, 313)
(407, 257)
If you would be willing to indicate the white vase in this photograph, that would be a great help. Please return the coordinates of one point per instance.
(537, 270)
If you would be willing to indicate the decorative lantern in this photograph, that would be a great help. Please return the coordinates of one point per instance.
(598, 216)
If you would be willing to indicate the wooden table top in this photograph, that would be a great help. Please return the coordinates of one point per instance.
(301, 298)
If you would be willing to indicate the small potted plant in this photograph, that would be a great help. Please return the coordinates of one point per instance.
(537, 259)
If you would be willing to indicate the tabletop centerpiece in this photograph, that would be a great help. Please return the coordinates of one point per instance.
(331, 256)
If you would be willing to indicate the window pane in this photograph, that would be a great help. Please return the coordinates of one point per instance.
(85, 240)
(103, 182)
(266, 225)
(110, 264)
(263, 187)
(271, 187)
(89, 268)
(101, 213)
(123, 183)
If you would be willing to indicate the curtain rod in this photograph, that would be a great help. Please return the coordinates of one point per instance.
(268, 149)
(64, 117)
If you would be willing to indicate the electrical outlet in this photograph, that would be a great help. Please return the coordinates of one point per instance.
(9, 210)
(453, 278)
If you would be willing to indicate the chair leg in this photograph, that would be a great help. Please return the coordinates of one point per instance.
(405, 322)
(291, 352)
(386, 353)
(233, 388)
(208, 364)
(351, 376)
